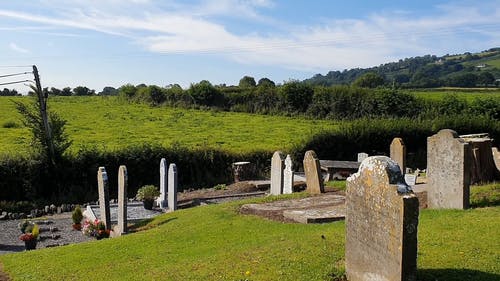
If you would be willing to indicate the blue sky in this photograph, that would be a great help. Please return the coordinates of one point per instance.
(97, 43)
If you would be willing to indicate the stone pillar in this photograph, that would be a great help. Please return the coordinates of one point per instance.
(122, 200)
(381, 223)
(172, 187)
(448, 171)
(398, 153)
(277, 165)
(162, 200)
(288, 176)
(102, 184)
(312, 169)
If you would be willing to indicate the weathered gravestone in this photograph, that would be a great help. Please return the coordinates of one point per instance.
(162, 200)
(496, 157)
(398, 153)
(448, 175)
(411, 179)
(312, 169)
(381, 223)
(277, 165)
(172, 187)
(362, 156)
(103, 187)
(122, 200)
(288, 176)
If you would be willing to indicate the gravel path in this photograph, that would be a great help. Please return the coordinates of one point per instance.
(62, 233)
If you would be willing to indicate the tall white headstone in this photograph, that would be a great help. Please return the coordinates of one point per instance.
(288, 176)
(102, 184)
(277, 165)
(162, 200)
(362, 156)
(172, 187)
(122, 200)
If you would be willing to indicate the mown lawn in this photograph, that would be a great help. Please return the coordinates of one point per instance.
(108, 123)
(216, 243)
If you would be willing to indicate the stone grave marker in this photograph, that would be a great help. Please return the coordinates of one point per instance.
(362, 156)
(448, 174)
(102, 185)
(162, 200)
(277, 165)
(496, 157)
(172, 187)
(288, 176)
(312, 169)
(122, 200)
(398, 153)
(411, 179)
(381, 223)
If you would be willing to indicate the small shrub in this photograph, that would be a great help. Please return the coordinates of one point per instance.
(147, 192)
(77, 215)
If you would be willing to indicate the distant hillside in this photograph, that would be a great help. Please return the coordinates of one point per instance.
(463, 70)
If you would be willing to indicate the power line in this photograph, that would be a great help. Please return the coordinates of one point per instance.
(15, 82)
(15, 74)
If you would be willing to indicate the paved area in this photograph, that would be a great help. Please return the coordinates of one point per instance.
(316, 209)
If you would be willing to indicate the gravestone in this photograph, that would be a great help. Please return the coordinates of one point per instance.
(448, 174)
(162, 200)
(362, 156)
(482, 163)
(496, 157)
(411, 179)
(312, 169)
(122, 200)
(277, 165)
(381, 223)
(172, 187)
(398, 153)
(102, 185)
(288, 176)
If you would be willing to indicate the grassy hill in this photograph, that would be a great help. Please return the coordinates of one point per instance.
(422, 72)
(215, 242)
(108, 123)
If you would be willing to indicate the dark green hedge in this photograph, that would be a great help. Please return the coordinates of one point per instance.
(74, 178)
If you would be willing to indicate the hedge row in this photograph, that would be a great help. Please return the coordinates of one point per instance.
(74, 179)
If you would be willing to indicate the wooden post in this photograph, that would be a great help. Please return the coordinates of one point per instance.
(42, 101)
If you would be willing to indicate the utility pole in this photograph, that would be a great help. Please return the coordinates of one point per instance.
(42, 101)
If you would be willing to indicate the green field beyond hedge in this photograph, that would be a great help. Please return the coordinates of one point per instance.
(214, 242)
(109, 124)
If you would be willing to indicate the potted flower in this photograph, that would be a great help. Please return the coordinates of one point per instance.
(30, 232)
(147, 194)
(77, 217)
(95, 229)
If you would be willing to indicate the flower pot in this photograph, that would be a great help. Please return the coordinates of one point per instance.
(148, 204)
(30, 244)
(77, 226)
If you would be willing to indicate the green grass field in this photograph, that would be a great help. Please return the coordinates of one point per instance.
(215, 242)
(108, 123)
(461, 93)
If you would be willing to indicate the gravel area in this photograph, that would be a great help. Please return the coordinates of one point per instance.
(62, 233)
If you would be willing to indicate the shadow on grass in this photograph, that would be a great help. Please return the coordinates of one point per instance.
(453, 274)
(143, 224)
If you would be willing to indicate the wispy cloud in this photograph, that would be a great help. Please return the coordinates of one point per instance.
(174, 27)
(13, 46)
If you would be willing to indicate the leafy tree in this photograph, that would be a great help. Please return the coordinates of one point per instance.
(296, 95)
(55, 91)
(247, 82)
(485, 78)
(83, 91)
(369, 80)
(266, 82)
(108, 91)
(204, 93)
(66, 91)
(127, 91)
(7, 92)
